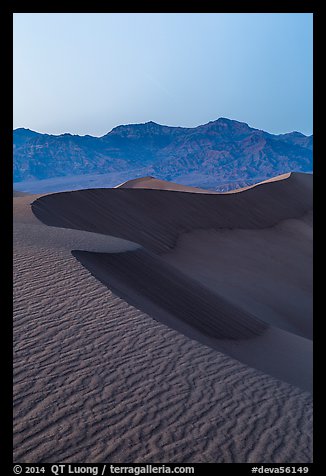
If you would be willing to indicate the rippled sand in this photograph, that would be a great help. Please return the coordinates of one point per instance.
(129, 354)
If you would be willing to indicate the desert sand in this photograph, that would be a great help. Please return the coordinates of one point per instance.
(153, 183)
(164, 325)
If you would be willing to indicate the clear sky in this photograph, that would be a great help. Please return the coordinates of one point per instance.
(87, 73)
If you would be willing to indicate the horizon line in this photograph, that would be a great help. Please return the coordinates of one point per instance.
(161, 125)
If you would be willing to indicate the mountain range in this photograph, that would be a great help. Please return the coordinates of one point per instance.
(220, 155)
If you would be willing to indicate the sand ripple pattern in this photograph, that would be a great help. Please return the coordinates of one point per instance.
(96, 380)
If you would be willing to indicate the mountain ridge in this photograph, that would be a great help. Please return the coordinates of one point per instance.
(132, 124)
(210, 155)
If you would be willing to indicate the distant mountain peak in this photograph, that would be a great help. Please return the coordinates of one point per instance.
(25, 130)
(153, 123)
(225, 120)
(294, 134)
(223, 126)
(229, 121)
(141, 129)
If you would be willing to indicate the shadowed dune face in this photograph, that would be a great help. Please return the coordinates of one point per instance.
(156, 218)
(267, 272)
(145, 280)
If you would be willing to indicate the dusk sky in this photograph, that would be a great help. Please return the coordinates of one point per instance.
(87, 73)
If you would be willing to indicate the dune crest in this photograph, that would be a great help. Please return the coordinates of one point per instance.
(153, 183)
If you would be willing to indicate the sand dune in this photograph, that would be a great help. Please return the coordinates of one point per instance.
(127, 357)
(156, 218)
(263, 225)
(152, 183)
